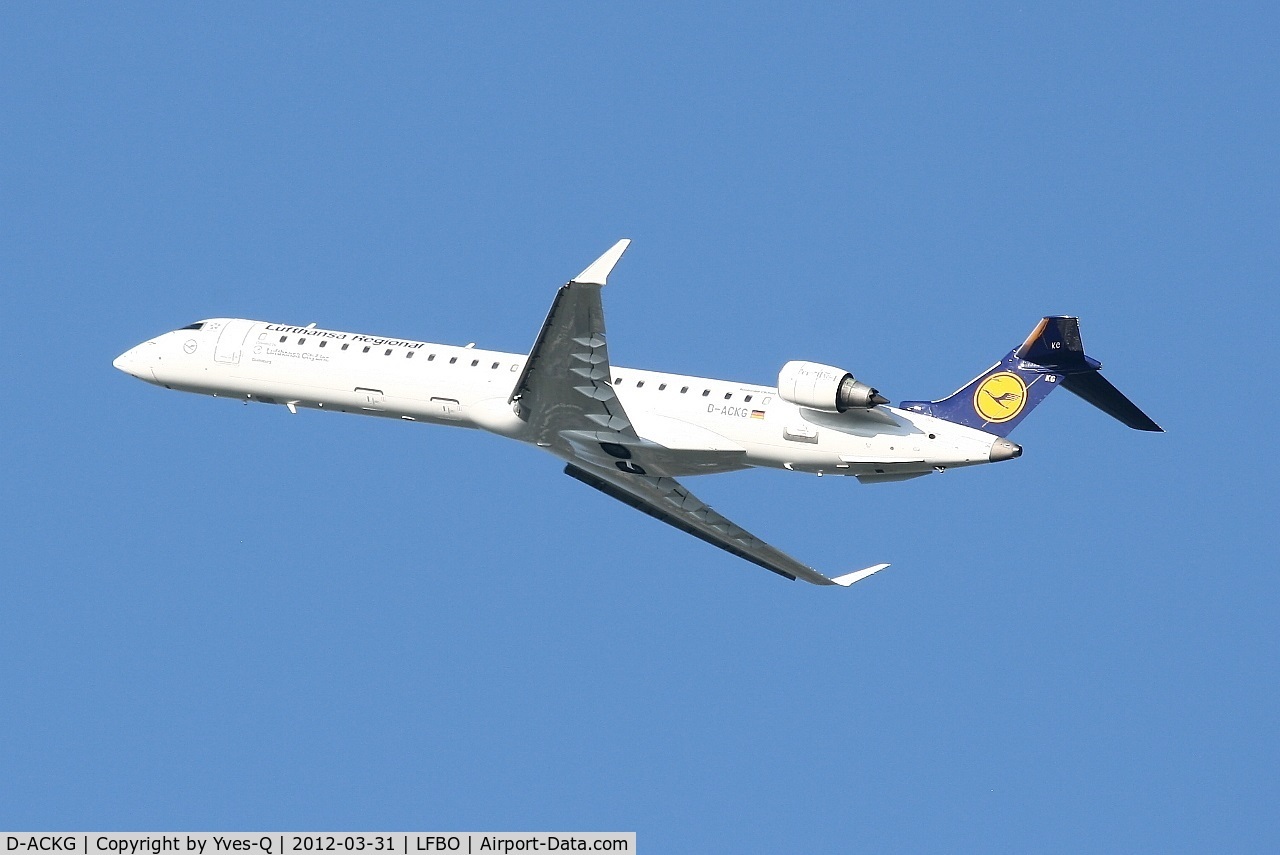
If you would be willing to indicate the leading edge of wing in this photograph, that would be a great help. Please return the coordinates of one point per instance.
(652, 495)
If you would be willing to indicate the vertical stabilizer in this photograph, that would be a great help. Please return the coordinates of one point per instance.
(997, 400)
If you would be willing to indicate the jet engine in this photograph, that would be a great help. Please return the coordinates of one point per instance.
(825, 387)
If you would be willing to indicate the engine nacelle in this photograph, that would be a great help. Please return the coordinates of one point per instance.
(825, 387)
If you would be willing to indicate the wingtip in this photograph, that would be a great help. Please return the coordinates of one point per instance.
(857, 576)
(597, 273)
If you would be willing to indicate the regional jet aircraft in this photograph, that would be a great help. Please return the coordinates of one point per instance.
(629, 433)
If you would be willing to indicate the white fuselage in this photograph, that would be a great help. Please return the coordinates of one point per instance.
(469, 387)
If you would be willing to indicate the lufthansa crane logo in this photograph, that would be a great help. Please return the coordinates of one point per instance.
(1000, 397)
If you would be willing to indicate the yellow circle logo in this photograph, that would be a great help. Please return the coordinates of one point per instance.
(1000, 397)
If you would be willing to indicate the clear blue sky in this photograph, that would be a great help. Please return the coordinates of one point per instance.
(219, 616)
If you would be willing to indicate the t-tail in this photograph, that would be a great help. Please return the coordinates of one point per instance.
(1052, 356)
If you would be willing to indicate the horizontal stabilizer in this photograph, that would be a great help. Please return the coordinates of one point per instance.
(1055, 343)
(1097, 390)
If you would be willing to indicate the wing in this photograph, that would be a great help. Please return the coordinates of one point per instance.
(668, 500)
(566, 397)
(566, 384)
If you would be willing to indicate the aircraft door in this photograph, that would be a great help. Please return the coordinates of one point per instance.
(231, 341)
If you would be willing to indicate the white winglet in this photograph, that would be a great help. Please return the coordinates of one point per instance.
(849, 578)
(599, 270)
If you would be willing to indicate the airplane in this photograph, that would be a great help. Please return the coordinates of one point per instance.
(632, 433)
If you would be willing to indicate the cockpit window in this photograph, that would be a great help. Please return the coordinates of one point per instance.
(194, 326)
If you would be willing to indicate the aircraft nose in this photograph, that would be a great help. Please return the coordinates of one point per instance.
(129, 363)
(1003, 449)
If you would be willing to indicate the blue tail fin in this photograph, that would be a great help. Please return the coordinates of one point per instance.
(1001, 397)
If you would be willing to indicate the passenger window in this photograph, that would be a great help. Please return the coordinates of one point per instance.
(639, 384)
(323, 342)
(283, 339)
(409, 355)
(728, 395)
(431, 357)
(345, 345)
(684, 389)
(662, 387)
(452, 359)
(366, 349)
(302, 341)
(494, 365)
(706, 392)
(388, 352)
(747, 399)
(474, 363)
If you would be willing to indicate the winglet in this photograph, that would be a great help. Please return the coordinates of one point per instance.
(600, 269)
(849, 578)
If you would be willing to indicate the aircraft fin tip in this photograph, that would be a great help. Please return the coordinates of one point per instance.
(597, 273)
(858, 575)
